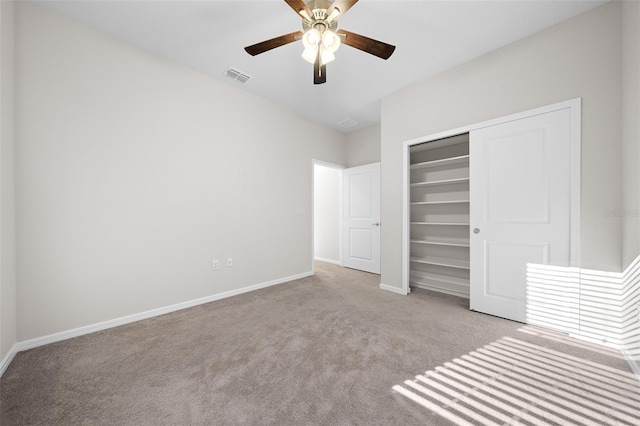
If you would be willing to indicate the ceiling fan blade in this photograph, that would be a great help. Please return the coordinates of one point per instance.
(263, 46)
(342, 5)
(299, 5)
(319, 71)
(366, 44)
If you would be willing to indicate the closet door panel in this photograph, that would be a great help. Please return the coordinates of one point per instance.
(520, 208)
(516, 183)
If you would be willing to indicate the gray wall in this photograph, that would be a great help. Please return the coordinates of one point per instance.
(134, 173)
(577, 58)
(631, 172)
(7, 200)
(363, 146)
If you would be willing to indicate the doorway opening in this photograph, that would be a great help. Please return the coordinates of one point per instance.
(327, 213)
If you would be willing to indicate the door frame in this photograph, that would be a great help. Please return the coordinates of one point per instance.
(339, 167)
(575, 108)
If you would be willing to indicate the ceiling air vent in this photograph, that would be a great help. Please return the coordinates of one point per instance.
(239, 76)
(347, 123)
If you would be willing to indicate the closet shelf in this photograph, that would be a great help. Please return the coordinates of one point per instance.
(441, 287)
(428, 203)
(440, 182)
(443, 162)
(426, 277)
(439, 261)
(451, 243)
(441, 223)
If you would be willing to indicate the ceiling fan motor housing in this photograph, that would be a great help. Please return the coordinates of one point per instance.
(319, 19)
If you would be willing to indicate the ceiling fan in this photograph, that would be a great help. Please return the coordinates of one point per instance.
(321, 36)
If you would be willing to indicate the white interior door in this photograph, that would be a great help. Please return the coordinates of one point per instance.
(361, 218)
(520, 174)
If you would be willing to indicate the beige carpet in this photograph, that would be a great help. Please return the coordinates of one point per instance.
(331, 349)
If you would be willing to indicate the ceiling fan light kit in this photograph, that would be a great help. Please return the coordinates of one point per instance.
(323, 41)
(321, 37)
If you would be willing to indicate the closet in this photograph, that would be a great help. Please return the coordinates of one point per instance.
(489, 206)
(439, 215)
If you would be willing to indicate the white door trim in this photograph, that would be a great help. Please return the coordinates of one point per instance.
(315, 162)
(575, 107)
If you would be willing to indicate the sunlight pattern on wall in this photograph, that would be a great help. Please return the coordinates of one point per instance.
(630, 316)
(553, 297)
(514, 382)
(597, 306)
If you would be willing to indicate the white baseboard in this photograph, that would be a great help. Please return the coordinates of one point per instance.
(8, 358)
(392, 289)
(80, 331)
(322, 259)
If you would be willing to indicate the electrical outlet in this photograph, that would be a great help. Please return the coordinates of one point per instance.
(229, 261)
(216, 265)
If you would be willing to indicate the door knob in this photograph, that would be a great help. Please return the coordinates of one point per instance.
(476, 230)
(376, 224)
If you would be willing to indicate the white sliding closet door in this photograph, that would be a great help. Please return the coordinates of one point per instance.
(520, 180)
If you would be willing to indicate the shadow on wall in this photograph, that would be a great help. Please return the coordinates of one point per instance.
(511, 381)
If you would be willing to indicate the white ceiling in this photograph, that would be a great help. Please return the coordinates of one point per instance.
(430, 37)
